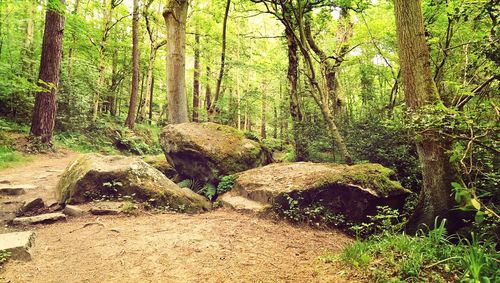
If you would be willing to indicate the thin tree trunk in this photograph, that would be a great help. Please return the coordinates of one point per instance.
(196, 78)
(175, 17)
(208, 92)
(212, 111)
(292, 76)
(44, 112)
(263, 132)
(73, 42)
(420, 90)
(130, 121)
(150, 120)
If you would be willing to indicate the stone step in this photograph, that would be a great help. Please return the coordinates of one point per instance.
(18, 244)
(244, 204)
(16, 189)
(39, 219)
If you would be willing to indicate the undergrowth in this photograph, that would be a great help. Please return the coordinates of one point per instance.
(430, 256)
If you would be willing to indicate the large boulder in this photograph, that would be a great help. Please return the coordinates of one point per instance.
(354, 191)
(93, 176)
(208, 151)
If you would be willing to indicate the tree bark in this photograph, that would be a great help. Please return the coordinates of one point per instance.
(420, 90)
(44, 112)
(263, 132)
(212, 111)
(292, 77)
(175, 16)
(130, 121)
(196, 78)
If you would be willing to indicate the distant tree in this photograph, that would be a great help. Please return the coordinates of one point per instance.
(44, 112)
(130, 122)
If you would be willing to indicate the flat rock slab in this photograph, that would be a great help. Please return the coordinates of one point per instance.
(103, 211)
(243, 204)
(16, 189)
(18, 244)
(39, 219)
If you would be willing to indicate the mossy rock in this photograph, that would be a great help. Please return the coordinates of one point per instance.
(208, 151)
(159, 162)
(94, 176)
(354, 191)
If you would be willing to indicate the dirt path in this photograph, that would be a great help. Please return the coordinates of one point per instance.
(220, 246)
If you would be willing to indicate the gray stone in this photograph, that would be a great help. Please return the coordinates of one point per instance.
(74, 211)
(16, 189)
(353, 191)
(18, 244)
(103, 211)
(39, 219)
(32, 205)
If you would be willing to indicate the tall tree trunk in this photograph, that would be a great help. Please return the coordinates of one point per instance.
(212, 111)
(150, 120)
(175, 16)
(130, 121)
(263, 132)
(73, 42)
(420, 90)
(196, 78)
(28, 51)
(44, 112)
(208, 91)
(292, 76)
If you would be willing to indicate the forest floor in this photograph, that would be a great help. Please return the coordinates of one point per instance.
(219, 246)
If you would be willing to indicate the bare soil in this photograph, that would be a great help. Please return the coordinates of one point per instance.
(219, 246)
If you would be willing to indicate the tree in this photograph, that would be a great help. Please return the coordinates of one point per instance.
(130, 122)
(44, 112)
(196, 78)
(420, 93)
(154, 45)
(175, 15)
(212, 111)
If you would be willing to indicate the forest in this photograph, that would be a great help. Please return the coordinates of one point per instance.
(369, 126)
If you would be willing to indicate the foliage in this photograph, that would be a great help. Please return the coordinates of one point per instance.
(129, 207)
(226, 184)
(389, 144)
(4, 256)
(387, 220)
(315, 214)
(428, 257)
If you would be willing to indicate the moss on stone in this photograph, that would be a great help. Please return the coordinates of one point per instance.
(373, 177)
(94, 176)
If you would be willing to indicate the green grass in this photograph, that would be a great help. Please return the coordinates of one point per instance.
(10, 157)
(428, 257)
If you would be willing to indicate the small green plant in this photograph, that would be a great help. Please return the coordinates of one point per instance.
(129, 207)
(4, 256)
(226, 184)
(316, 214)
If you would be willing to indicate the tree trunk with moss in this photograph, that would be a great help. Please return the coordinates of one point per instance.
(420, 91)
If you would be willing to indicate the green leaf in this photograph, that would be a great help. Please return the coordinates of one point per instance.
(479, 218)
(475, 203)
